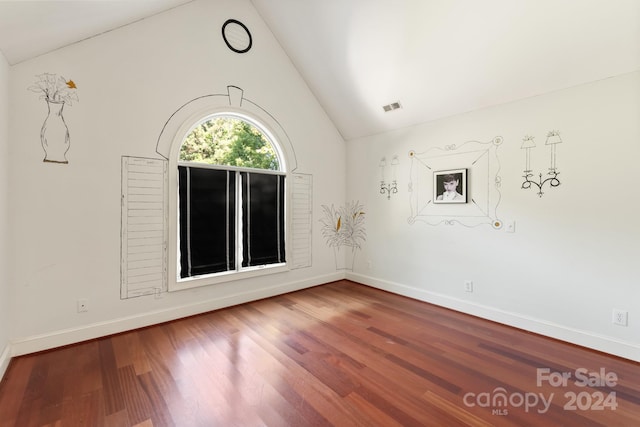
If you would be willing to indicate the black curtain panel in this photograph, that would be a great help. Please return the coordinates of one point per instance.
(263, 219)
(207, 220)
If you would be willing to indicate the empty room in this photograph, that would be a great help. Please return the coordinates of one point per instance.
(319, 213)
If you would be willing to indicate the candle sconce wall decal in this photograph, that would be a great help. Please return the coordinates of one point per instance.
(386, 187)
(528, 143)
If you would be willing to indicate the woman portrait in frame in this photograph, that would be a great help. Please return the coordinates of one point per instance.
(450, 186)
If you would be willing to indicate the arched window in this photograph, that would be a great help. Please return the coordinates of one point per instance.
(230, 141)
(231, 199)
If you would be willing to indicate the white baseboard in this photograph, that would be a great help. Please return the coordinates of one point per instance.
(96, 330)
(587, 339)
(5, 358)
(60, 338)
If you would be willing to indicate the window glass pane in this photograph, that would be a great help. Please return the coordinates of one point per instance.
(207, 220)
(224, 140)
(263, 223)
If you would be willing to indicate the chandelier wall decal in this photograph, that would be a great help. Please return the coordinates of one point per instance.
(387, 187)
(528, 143)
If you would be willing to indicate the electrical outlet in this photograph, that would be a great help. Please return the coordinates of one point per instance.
(511, 227)
(620, 317)
(369, 265)
(83, 305)
(468, 286)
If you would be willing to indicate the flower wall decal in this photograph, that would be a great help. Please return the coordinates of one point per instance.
(54, 88)
(344, 226)
(54, 134)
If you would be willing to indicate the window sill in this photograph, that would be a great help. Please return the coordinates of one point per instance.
(213, 279)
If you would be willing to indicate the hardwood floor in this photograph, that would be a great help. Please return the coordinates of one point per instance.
(340, 354)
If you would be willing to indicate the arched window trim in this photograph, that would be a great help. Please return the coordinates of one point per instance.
(191, 115)
(282, 161)
(233, 101)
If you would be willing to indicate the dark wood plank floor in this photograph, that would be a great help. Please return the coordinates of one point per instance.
(340, 354)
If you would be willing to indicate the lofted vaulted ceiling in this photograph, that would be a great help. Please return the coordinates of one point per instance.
(436, 58)
(29, 28)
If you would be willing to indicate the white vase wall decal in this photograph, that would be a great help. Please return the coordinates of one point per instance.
(55, 134)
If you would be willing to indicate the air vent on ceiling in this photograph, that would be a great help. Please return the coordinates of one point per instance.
(390, 107)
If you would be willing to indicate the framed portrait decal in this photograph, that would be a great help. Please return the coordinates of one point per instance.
(450, 186)
(478, 164)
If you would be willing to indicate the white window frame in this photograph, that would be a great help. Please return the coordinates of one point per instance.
(175, 282)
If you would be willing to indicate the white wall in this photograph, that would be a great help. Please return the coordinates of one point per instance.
(4, 215)
(573, 257)
(130, 81)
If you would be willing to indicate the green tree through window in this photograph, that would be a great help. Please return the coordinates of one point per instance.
(229, 141)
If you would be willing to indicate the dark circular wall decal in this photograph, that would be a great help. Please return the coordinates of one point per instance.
(237, 36)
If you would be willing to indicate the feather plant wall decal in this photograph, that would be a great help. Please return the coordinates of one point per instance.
(344, 227)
